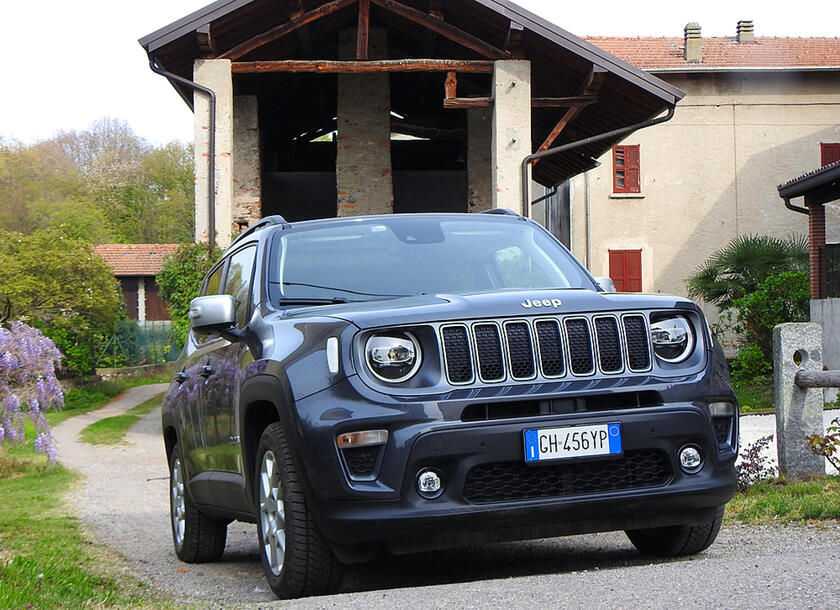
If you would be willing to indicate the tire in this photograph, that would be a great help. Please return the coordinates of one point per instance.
(676, 540)
(297, 559)
(197, 537)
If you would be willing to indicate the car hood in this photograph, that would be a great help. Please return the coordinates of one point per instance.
(505, 304)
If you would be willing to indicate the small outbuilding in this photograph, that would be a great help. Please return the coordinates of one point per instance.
(314, 108)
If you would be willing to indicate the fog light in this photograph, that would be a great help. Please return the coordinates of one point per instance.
(691, 460)
(429, 483)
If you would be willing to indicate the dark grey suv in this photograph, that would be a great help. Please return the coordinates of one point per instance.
(412, 382)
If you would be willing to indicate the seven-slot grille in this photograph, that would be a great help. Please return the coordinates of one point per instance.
(548, 347)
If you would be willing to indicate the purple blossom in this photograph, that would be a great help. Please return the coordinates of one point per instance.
(27, 376)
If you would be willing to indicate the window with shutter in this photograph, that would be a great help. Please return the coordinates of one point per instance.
(829, 153)
(626, 169)
(626, 270)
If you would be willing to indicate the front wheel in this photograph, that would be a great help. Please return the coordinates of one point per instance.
(297, 559)
(676, 540)
(197, 537)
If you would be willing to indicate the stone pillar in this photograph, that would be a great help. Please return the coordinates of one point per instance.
(799, 411)
(479, 175)
(363, 159)
(247, 166)
(511, 134)
(214, 74)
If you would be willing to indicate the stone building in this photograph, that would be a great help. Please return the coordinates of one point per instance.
(352, 107)
(756, 111)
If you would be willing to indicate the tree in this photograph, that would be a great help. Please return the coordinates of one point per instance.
(61, 286)
(180, 280)
(737, 269)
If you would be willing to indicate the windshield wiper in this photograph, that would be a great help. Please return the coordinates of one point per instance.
(308, 301)
(365, 294)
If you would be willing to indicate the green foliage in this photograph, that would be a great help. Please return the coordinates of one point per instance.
(755, 395)
(827, 445)
(777, 299)
(750, 364)
(737, 269)
(103, 184)
(180, 280)
(60, 286)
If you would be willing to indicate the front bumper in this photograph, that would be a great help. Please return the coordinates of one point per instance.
(587, 494)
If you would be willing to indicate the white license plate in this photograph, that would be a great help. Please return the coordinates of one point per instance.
(572, 442)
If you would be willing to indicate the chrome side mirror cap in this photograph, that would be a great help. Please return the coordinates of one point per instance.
(605, 284)
(212, 313)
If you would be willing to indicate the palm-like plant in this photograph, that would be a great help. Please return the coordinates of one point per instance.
(745, 262)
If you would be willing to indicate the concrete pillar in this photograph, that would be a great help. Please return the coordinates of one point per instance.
(799, 411)
(214, 74)
(247, 166)
(363, 159)
(141, 299)
(826, 313)
(479, 175)
(511, 134)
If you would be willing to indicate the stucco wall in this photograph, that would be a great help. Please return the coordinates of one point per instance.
(711, 172)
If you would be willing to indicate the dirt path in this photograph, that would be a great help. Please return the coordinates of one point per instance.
(124, 502)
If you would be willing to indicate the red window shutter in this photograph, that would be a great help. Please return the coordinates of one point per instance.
(829, 153)
(626, 169)
(633, 169)
(626, 270)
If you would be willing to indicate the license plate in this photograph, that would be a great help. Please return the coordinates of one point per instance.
(572, 442)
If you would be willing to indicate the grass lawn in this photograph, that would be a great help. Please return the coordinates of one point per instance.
(755, 395)
(112, 430)
(780, 501)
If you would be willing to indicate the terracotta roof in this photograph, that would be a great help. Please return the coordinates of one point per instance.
(667, 53)
(134, 259)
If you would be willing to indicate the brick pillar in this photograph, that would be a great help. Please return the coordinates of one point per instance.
(214, 74)
(363, 159)
(479, 176)
(816, 240)
(247, 167)
(511, 136)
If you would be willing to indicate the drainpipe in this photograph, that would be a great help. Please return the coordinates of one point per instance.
(588, 230)
(211, 145)
(795, 208)
(590, 140)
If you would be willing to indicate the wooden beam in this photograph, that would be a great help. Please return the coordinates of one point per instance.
(363, 32)
(302, 33)
(204, 40)
(281, 30)
(589, 88)
(439, 26)
(363, 67)
(563, 102)
(513, 40)
(459, 103)
(450, 86)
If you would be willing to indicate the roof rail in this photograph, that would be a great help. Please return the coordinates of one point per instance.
(261, 224)
(502, 211)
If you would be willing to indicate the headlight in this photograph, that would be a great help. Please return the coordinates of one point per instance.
(393, 357)
(672, 337)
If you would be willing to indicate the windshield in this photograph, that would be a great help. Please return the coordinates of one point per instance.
(409, 255)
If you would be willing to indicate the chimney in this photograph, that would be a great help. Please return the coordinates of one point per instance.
(693, 51)
(745, 31)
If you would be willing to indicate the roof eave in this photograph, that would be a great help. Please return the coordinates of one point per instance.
(713, 69)
(800, 186)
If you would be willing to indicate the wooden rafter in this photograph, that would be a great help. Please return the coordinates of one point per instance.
(589, 88)
(302, 33)
(439, 26)
(362, 67)
(436, 12)
(283, 29)
(513, 40)
(204, 40)
(363, 32)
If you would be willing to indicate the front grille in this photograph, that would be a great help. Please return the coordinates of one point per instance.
(456, 347)
(549, 347)
(511, 481)
(520, 350)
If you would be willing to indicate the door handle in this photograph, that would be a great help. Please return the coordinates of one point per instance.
(207, 370)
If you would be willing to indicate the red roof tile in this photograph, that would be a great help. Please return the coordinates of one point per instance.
(134, 259)
(659, 53)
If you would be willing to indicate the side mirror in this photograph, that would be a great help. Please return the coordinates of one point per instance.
(606, 284)
(212, 313)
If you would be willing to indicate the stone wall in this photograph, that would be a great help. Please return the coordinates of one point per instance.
(247, 166)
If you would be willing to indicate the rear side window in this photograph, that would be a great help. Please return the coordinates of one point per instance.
(211, 285)
(238, 282)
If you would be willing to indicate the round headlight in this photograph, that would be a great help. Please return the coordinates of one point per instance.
(672, 338)
(393, 357)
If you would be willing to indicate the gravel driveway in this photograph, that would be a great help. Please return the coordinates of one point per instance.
(125, 505)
